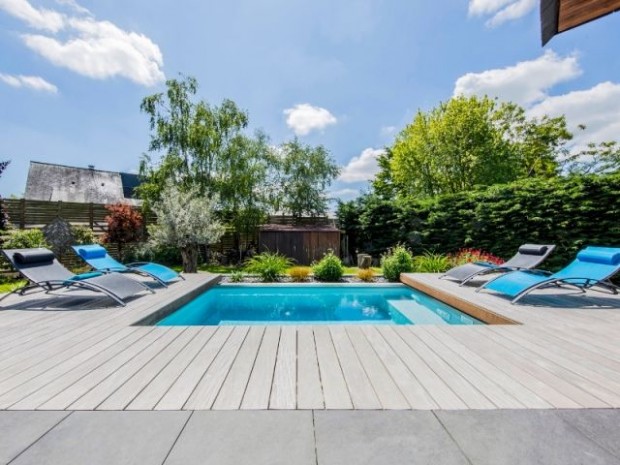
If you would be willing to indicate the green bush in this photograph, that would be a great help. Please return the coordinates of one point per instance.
(237, 276)
(25, 239)
(431, 263)
(150, 252)
(83, 235)
(571, 212)
(269, 266)
(330, 268)
(395, 262)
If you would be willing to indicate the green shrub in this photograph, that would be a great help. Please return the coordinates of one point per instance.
(366, 275)
(25, 239)
(150, 252)
(395, 262)
(431, 263)
(83, 235)
(269, 266)
(329, 268)
(299, 273)
(237, 276)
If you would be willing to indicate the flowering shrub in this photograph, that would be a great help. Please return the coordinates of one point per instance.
(474, 255)
(124, 226)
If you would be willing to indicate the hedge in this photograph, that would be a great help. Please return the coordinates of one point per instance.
(571, 212)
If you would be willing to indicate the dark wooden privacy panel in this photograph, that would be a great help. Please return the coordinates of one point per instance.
(561, 15)
(302, 243)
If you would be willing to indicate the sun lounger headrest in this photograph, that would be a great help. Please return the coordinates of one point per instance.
(533, 249)
(92, 251)
(31, 257)
(602, 255)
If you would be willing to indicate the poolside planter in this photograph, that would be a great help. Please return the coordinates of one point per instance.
(302, 243)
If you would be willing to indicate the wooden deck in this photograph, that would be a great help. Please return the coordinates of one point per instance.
(79, 353)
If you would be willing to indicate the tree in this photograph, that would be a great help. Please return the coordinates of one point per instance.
(125, 225)
(185, 219)
(471, 141)
(305, 174)
(4, 216)
(204, 146)
(595, 159)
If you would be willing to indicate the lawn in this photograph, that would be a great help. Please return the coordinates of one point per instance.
(11, 285)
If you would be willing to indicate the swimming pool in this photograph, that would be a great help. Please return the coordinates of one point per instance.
(248, 304)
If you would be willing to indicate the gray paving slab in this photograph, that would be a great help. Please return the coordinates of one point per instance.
(600, 425)
(383, 437)
(104, 438)
(18, 430)
(240, 437)
(522, 437)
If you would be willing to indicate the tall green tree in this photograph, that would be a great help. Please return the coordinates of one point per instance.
(471, 141)
(197, 145)
(305, 173)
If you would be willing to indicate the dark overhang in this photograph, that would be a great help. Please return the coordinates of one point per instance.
(561, 15)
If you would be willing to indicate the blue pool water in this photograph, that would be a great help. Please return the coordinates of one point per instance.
(309, 304)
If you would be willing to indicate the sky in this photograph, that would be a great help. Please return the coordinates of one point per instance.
(348, 74)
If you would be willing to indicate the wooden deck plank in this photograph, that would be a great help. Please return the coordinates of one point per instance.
(148, 398)
(433, 384)
(335, 389)
(385, 388)
(71, 378)
(283, 391)
(511, 385)
(209, 386)
(180, 391)
(417, 397)
(70, 394)
(362, 392)
(309, 389)
(93, 398)
(258, 390)
(121, 397)
(231, 393)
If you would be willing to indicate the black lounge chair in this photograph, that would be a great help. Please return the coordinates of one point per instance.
(42, 270)
(527, 257)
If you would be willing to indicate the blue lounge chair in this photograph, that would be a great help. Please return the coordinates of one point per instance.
(593, 266)
(41, 268)
(99, 259)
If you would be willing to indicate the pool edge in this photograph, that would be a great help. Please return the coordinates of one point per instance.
(476, 311)
(169, 307)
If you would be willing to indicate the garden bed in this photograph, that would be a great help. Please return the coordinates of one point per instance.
(249, 279)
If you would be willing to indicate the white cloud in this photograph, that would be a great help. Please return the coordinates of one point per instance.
(72, 4)
(38, 18)
(305, 118)
(525, 83)
(598, 108)
(528, 83)
(501, 10)
(31, 82)
(364, 167)
(344, 194)
(97, 49)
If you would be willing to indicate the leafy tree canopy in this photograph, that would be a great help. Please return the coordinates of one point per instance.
(305, 174)
(471, 141)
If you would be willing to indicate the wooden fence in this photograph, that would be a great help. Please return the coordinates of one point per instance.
(30, 214)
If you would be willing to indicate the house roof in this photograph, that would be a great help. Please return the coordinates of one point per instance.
(561, 15)
(50, 181)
